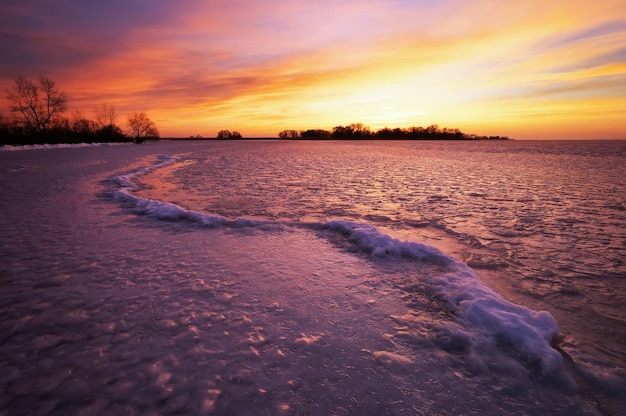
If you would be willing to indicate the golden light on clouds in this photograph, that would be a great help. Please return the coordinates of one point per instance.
(526, 69)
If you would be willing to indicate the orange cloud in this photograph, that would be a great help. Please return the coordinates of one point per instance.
(526, 69)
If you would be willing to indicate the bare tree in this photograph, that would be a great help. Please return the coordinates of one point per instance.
(229, 135)
(141, 127)
(38, 105)
(224, 134)
(105, 115)
(289, 134)
(80, 125)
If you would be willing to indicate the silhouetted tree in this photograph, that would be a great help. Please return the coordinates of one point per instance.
(105, 115)
(359, 131)
(341, 132)
(11, 132)
(289, 134)
(384, 133)
(110, 133)
(142, 128)
(355, 131)
(224, 134)
(227, 134)
(313, 134)
(38, 104)
(82, 126)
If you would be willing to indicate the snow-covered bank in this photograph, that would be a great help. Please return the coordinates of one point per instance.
(12, 148)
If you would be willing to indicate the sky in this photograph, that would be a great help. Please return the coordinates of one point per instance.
(524, 69)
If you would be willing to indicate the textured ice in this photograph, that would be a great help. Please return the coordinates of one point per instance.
(488, 318)
(182, 310)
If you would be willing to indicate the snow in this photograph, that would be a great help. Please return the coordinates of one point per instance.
(11, 148)
(487, 318)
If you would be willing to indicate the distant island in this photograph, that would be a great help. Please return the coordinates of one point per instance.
(358, 131)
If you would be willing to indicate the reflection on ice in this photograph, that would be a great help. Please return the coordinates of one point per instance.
(109, 312)
(528, 334)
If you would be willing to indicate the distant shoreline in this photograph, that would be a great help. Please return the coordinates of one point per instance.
(260, 139)
(331, 139)
(212, 139)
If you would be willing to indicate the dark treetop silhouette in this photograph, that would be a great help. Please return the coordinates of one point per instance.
(39, 109)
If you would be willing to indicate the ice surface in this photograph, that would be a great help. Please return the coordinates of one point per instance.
(542, 222)
(177, 310)
(488, 320)
(160, 209)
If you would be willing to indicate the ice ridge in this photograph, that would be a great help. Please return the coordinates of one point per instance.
(487, 320)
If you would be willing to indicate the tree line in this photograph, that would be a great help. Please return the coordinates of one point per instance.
(358, 131)
(39, 108)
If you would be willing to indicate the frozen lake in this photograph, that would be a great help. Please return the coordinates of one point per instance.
(250, 278)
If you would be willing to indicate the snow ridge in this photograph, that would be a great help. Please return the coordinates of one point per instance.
(485, 320)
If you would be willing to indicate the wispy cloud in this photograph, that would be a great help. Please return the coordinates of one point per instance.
(602, 30)
(198, 66)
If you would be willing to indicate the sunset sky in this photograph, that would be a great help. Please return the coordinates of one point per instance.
(526, 69)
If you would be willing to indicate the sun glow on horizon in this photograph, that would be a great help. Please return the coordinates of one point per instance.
(525, 70)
